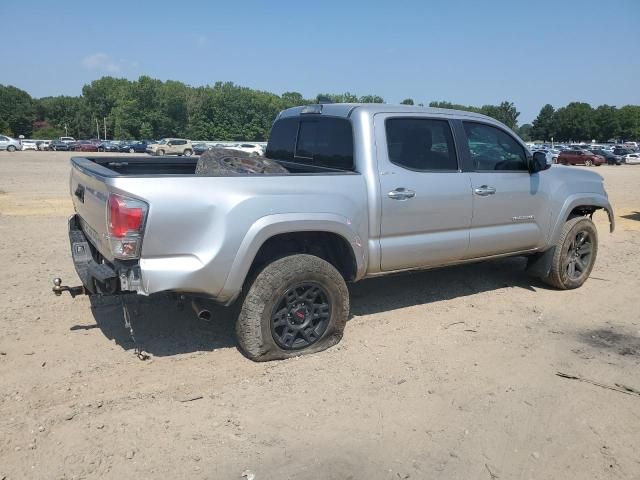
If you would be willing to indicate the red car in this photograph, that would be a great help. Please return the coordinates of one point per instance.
(85, 146)
(580, 157)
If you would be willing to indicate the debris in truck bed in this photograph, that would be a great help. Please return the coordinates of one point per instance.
(226, 162)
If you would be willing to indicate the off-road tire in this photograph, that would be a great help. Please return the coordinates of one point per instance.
(558, 276)
(254, 324)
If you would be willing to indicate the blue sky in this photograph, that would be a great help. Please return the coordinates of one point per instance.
(469, 52)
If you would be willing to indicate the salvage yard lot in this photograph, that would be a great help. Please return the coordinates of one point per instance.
(441, 374)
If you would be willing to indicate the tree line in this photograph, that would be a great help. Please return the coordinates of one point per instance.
(150, 108)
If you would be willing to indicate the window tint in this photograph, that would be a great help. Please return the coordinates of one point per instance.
(494, 149)
(325, 142)
(321, 141)
(282, 140)
(421, 144)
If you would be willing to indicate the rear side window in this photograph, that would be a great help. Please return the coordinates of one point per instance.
(421, 144)
(325, 142)
(320, 141)
(493, 149)
(282, 141)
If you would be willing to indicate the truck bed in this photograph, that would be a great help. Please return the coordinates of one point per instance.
(130, 166)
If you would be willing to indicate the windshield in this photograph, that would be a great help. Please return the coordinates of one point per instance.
(162, 142)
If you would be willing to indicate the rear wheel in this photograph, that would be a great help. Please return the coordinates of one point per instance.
(296, 305)
(575, 254)
(188, 153)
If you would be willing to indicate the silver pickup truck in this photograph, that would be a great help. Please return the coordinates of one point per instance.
(370, 190)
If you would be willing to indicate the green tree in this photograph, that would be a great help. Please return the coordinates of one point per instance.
(16, 111)
(606, 122)
(575, 122)
(525, 132)
(407, 101)
(544, 126)
(506, 113)
(629, 122)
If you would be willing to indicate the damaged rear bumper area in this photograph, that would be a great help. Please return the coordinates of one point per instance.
(98, 276)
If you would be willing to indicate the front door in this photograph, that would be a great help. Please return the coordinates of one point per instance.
(510, 212)
(426, 198)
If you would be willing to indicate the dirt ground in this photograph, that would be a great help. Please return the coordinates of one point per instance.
(443, 374)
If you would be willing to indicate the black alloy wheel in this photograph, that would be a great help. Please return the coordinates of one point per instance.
(301, 316)
(577, 257)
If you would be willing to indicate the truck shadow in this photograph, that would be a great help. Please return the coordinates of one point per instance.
(429, 286)
(163, 330)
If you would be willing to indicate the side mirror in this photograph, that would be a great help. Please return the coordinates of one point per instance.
(539, 162)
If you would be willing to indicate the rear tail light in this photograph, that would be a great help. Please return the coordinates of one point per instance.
(125, 221)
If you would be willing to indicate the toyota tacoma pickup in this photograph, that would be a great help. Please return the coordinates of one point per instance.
(369, 190)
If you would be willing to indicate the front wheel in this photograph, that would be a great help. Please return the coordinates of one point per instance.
(131, 150)
(11, 148)
(575, 254)
(160, 153)
(588, 163)
(296, 305)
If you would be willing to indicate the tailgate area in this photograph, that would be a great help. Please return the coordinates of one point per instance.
(96, 276)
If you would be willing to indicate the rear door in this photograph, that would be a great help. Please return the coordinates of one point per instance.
(510, 205)
(426, 197)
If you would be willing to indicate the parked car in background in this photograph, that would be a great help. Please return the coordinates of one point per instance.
(580, 157)
(139, 146)
(9, 144)
(609, 157)
(171, 146)
(621, 151)
(109, 146)
(28, 145)
(631, 145)
(200, 148)
(252, 148)
(85, 146)
(632, 159)
(67, 139)
(43, 144)
(59, 145)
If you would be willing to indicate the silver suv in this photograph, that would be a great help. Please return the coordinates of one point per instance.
(171, 146)
(9, 144)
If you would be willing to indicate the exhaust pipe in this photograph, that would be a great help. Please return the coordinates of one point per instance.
(201, 312)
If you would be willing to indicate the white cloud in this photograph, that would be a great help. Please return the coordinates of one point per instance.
(101, 61)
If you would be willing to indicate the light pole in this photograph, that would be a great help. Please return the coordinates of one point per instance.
(104, 119)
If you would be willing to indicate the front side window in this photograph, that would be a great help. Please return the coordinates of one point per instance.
(421, 144)
(493, 149)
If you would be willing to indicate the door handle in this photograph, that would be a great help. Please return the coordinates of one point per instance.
(484, 190)
(401, 194)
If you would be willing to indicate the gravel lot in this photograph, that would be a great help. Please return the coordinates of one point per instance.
(442, 374)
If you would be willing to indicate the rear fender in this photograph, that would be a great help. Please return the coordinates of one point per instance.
(271, 225)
